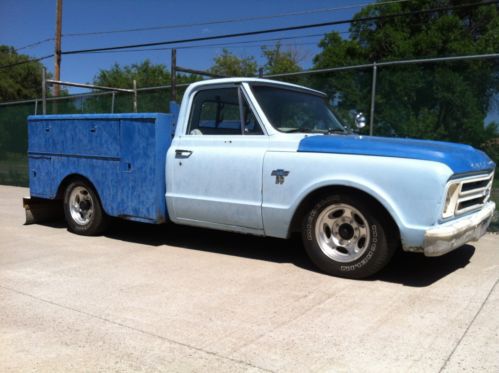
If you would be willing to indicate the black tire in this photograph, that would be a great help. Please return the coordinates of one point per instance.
(90, 220)
(347, 237)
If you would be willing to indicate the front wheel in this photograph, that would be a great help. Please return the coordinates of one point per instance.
(345, 237)
(83, 210)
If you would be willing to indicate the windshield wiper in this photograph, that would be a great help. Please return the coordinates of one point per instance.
(336, 130)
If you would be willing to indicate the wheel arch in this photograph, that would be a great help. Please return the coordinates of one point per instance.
(68, 179)
(313, 196)
(74, 177)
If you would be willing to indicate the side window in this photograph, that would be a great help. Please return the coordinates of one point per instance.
(216, 112)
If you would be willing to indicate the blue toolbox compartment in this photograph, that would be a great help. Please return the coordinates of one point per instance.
(122, 155)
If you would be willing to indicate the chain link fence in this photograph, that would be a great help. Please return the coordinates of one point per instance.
(452, 99)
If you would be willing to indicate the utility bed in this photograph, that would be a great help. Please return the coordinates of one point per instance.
(122, 155)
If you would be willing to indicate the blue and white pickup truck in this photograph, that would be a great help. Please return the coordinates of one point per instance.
(265, 158)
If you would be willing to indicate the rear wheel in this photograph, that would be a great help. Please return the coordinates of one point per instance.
(83, 210)
(345, 237)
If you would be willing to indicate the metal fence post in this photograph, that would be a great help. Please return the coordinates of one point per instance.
(134, 96)
(373, 97)
(36, 107)
(173, 76)
(44, 91)
(112, 101)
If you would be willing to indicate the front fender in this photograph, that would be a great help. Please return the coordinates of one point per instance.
(410, 190)
(353, 182)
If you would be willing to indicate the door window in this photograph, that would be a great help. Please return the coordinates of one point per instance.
(216, 112)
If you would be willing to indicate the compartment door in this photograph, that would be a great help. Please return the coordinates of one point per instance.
(40, 176)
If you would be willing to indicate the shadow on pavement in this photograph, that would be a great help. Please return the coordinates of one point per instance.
(407, 269)
(225, 243)
(417, 270)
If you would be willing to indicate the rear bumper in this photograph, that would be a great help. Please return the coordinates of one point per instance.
(450, 236)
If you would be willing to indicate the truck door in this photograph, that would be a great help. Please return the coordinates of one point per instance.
(216, 166)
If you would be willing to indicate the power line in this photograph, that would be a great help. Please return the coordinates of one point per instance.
(259, 32)
(34, 44)
(27, 61)
(262, 45)
(281, 29)
(222, 21)
(208, 47)
(235, 20)
(212, 46)
(233, 44)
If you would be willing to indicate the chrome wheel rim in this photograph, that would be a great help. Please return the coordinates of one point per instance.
(342, 233)
(81, 205)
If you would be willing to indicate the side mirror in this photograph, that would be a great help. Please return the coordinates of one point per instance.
(360, 120)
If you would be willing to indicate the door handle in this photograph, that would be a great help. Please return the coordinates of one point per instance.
(182, 153)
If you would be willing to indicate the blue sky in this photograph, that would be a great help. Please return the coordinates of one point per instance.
(23, 22)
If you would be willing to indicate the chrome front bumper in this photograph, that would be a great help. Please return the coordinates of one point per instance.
(450, 236)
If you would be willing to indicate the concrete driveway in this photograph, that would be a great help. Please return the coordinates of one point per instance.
(169, 298)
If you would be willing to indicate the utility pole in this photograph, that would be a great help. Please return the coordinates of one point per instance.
(57, 52)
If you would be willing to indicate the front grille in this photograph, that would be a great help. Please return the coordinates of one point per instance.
(472, 185)
(474, 192)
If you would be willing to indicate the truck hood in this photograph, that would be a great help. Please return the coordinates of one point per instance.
(458, 157)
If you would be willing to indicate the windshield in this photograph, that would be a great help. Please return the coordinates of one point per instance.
(294, 111)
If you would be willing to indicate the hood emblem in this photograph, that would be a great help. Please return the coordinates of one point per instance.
(279, 174)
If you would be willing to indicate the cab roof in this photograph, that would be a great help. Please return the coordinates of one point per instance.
(255, 81)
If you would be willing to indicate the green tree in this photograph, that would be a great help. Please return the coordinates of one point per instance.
(23, 81)
(279, 60)
(228, 64)
(146, 74)
(447, 101)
